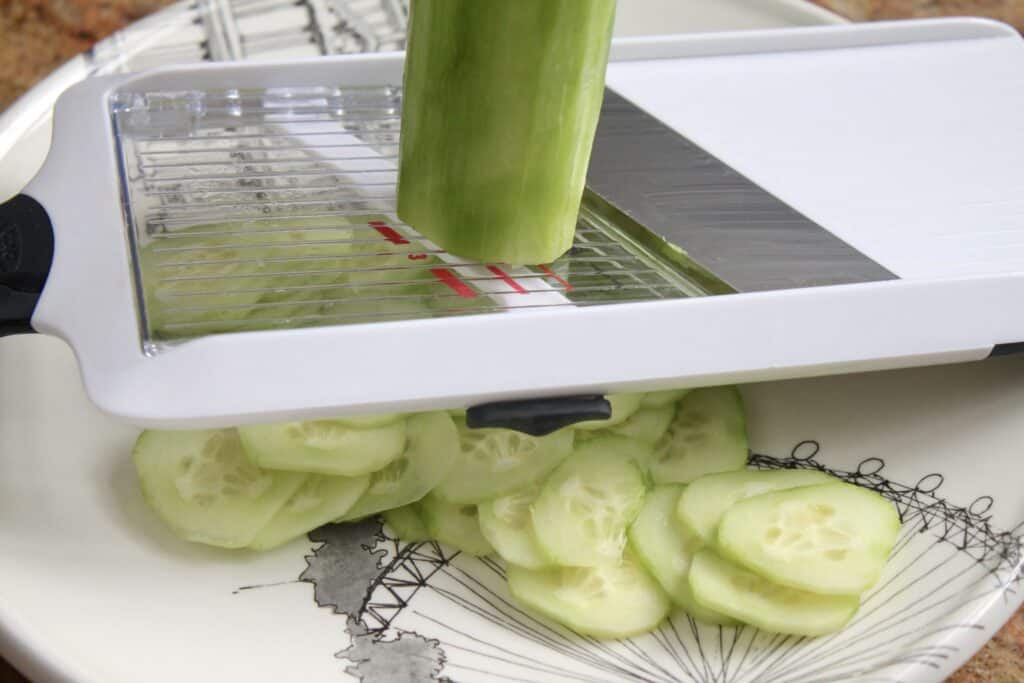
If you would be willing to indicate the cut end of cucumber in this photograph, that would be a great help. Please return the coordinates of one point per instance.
(507, 524)
(407, 524)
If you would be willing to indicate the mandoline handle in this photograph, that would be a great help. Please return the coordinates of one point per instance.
(26, 253)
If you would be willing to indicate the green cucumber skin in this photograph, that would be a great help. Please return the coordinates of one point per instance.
(501, 102)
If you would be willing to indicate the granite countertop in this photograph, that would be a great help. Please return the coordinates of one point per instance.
(36, 36)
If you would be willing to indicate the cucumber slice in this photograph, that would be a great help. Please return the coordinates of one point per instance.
(407, 524)
(506, 523)
(323, 446)
(623, 406)
(493, 462)
(666, 551)
(708, 435)
(647, 424)
(655, 399)
(615, 600)
(318, 501)
(454, 524)
(705, 500)
(494, 148)
(368, 421)
(729, 589)
(202, 485)
(830, 538)
(432, 444)
(583, 510)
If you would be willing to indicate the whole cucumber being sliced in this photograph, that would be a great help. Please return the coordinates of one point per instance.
(319, 500)
(704, 501)
(407, 523)
(202, 485)
(493, 462)
(667, 550)
(501, 101)
(454, 524)
(506, 523)
(828, 538)
(324, 446)
(613, 600)
(432, 445)
(708, 434)
(729, 589)
(586, 504)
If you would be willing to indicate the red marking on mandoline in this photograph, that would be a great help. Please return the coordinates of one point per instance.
(507, 279)
(552, 274)
(452, 280)
(387, 232)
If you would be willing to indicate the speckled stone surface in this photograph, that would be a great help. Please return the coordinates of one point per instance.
(36, 36)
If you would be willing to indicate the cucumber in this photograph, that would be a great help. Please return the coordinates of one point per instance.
(367, 421)
(432, 444)
(705, 500)
(493, 462)
(407, 523)
(666, 551)
(583, 510)
(202, 485)
(623, 406)
(613, 600)
(647, 424)
(501, 101)
(655, 399)
(708, 435)
(323, 446)
(506, 523)
(729, 589)
(829, 538)
(318, 501)
(454, 524)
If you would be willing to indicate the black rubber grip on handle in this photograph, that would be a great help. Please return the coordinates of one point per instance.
(539, 416)
(26, 254)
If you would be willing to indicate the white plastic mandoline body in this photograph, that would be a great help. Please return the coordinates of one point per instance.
(910, 139)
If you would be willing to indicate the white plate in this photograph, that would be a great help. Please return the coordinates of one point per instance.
(93, 587)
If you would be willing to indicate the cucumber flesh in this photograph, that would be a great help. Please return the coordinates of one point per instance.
(705, 500)
(498, 120)
(623, 406)
(407, 524)
(707, 435)
(666, 551)
(583, 510)
(730, 589)
(507, 524)
(454, 524)
(647, 424)
(829, 538)
(318, 501)
(615, 600)
(202, 485)
(655, 399)
(432, 444)
(367, 421)
(323, 446)
(494, 462)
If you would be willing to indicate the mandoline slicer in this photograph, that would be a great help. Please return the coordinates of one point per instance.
(224, 247)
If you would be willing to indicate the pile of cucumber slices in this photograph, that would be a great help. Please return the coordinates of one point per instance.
(604, 527)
